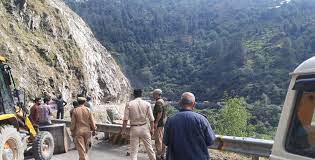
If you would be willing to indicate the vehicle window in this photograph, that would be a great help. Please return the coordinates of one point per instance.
(1, 105)
(6, 98)
(301, 135)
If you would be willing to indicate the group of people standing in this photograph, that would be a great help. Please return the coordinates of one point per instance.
(186, 134)
(41, 113)
(82, 121)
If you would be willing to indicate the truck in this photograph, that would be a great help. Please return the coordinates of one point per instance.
(295, 136)
(18, 134)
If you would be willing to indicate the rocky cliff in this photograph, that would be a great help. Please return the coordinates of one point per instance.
(52, 51)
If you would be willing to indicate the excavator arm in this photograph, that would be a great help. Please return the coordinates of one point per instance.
(13, 120)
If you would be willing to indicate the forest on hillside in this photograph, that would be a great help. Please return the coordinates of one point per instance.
(242, 48)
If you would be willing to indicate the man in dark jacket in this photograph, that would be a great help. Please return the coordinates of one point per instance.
(60, 107)
(187, 134)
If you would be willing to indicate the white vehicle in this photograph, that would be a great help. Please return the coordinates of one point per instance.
(295, 138)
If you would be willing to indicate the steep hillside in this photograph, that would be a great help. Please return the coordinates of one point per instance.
(53, 51)
(241, 47)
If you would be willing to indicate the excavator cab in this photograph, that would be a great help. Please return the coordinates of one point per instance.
(17, 132)
(6, 99)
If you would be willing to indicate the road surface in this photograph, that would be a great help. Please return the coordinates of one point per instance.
(100, 151)
(104, 150)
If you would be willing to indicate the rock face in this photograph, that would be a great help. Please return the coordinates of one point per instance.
(51, 51)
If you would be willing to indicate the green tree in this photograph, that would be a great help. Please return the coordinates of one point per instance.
(234, 118)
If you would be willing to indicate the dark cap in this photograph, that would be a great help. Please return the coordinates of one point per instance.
(137, 92)
(46, 99)
(75, 104)
(37, 99)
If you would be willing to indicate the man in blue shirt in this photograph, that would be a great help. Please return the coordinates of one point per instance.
(187, 134)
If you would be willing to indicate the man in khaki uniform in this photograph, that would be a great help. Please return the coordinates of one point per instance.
(137, 111)
(159, 116)
(82, 124)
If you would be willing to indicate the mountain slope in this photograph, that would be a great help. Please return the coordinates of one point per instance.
(241, 47)
(52, 51)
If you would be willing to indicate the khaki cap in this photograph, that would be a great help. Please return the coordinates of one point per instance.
(157, 91)
(81, 99)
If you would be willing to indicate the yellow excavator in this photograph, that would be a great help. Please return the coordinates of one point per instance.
(17, 133)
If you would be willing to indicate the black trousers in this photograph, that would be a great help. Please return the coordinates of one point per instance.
(60, 113)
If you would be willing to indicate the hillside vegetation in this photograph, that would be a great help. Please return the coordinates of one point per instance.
(244, 48)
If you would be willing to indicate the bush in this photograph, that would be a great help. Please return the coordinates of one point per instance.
(234, 118)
